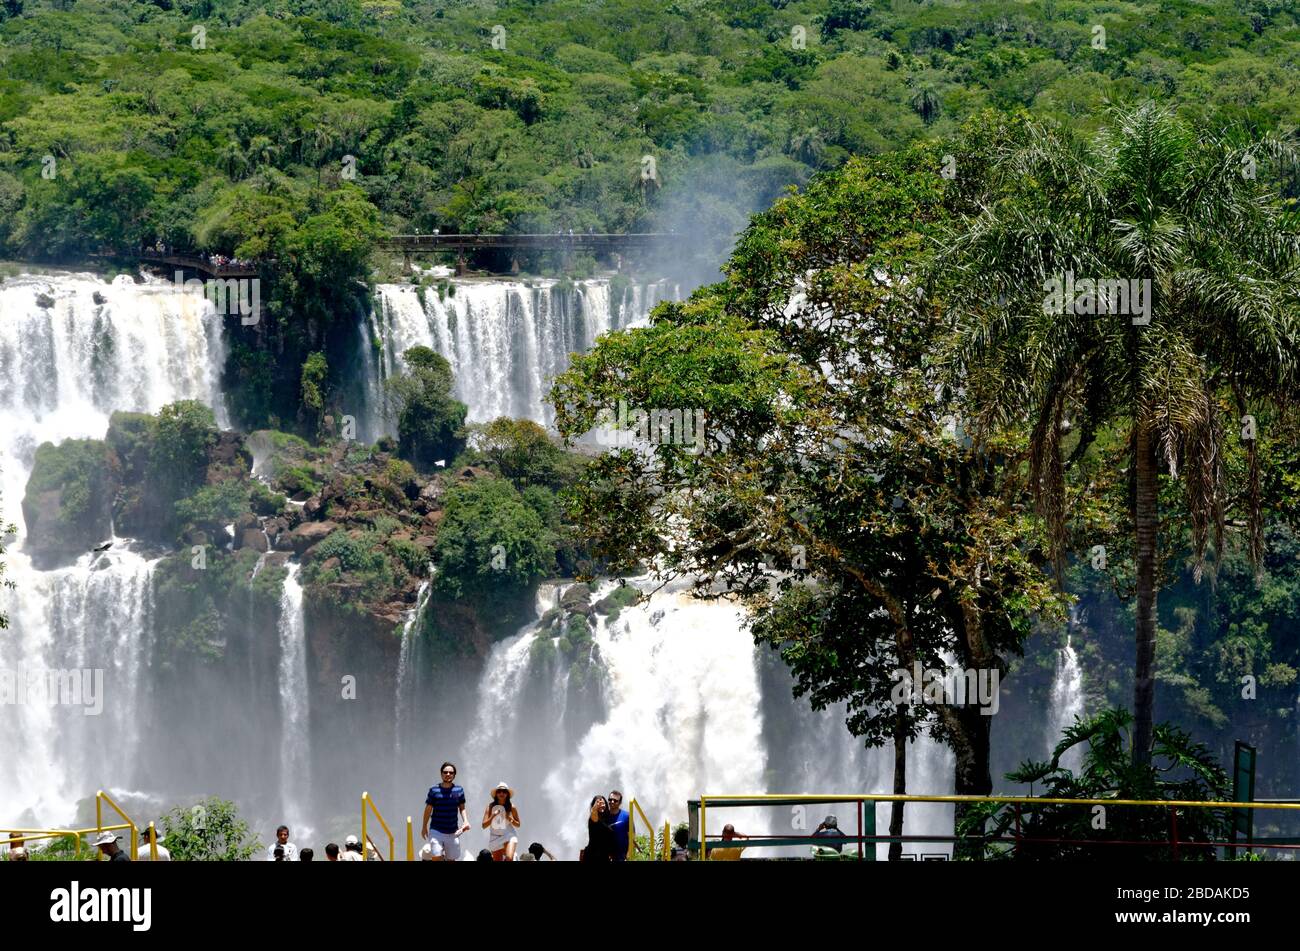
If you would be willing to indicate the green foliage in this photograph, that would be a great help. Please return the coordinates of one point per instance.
(547, 134)
(314, 372)
(209, 831)
(215, 505)
(181, 438)
(430, 421)
(489, 539)
(1180, 770)
(523, 452)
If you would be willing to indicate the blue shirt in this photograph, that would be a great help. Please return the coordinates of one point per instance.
(619, 824)
(446, 804)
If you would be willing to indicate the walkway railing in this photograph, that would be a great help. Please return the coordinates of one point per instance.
(102, 797)
(633, 809)
(368, 806)
(700, 838)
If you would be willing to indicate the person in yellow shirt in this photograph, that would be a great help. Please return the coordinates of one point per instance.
(728, 853)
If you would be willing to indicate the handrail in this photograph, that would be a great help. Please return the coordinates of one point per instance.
(75, 834)
(1171, 804)
(365, 839)
(1028, 800)
(100, 798)
(633, 807)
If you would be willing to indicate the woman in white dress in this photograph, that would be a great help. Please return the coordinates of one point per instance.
(501, 819)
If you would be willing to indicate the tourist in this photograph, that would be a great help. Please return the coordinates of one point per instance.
(106, 842)
(332, 852)
(18, 854)
(426, 853)
(830, 829)
(681, 842)
(730, 853)
(600, 837)
(501, 819)
(306, 855)
(283, 850)
(144, 853)
(484, 856)
(15, 840)
(351, 850)
(536, 850)
(618, 823)
(444, 819)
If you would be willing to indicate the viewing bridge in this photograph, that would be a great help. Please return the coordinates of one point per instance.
(616, 246)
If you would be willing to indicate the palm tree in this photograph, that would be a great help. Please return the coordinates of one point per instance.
(1215, 251)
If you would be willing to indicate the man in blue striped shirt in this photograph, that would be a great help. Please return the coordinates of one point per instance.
(444, 817)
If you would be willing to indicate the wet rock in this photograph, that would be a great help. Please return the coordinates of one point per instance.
(253, 538)
(308, 534)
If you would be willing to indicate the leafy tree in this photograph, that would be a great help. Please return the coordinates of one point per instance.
(522, 451)
(430, 421)
(490, 539)
(828, 453)
(181, 438)
(1151, 203)
(209, 831)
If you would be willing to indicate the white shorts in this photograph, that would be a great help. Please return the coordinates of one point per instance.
(444, 845)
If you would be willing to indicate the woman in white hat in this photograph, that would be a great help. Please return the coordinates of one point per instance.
(501, 819)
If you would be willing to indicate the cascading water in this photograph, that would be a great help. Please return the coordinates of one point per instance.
(683, 709)
(73, 349)
(505, 340)
(405, 669)
(1066, 703)
(295, 735)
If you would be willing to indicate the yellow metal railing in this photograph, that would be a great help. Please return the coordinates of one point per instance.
(368, 805)
(633, 808)
(102, 797)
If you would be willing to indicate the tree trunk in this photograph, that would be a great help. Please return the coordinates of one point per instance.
(971, 776)
(1145, 517)
(900, 785)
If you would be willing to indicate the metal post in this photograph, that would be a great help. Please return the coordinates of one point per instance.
(153, 843)
(859, 830)
(667, 834)
(99, 819)
(704, 831)
(365, 852)
(1173, 829)
(410, 840)
(1016, 848)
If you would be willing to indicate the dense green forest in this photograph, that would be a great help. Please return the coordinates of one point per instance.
(803, 148)
(299, 130)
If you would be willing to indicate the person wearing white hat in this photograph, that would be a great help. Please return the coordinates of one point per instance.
(351, 850)
(18, 854)
(501, 819)
(143, 854)
(106, 842)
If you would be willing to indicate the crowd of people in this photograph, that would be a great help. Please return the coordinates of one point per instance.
(215, 260)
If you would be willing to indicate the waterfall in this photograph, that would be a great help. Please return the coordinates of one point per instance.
(1066, 703)
(295, 735)
(405, 668)
(683, 709)
(505, 340)
(73, 349)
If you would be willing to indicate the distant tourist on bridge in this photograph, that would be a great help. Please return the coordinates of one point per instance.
(332, 852)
